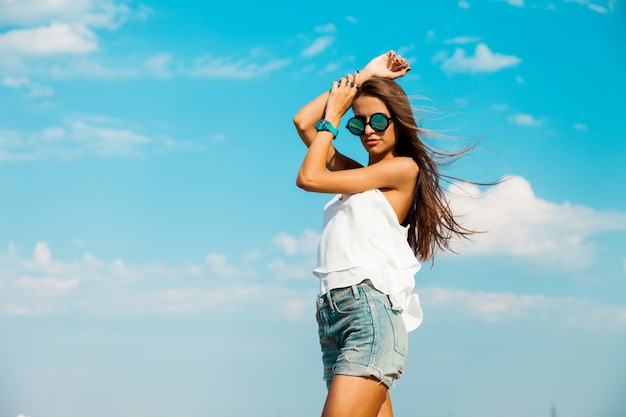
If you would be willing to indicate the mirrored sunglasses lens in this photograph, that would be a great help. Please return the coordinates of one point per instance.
(379, 122)
(356, 126)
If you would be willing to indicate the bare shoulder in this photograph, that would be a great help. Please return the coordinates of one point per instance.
(403, 165)
(407, 163)
(400, 173)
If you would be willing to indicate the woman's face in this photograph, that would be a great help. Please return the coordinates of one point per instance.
(379, 145)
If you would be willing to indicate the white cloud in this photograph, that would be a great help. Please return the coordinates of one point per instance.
(42, 254)
(41, 285)
(303, 248)
(464, 4)
(519, 223)
(305, 244)
(461, 40)
(13, 82)
(483, 61)
(218, 137)
(516, 3)
(56, 27)
(87, 135)
(50, 40)
(94, 13)
(25, 12)
(60, 39)
(352, 19)
(46, 36)
(431, 36)
(500, 307)
(47, 285)
(610, 5)
(242, 68)
(327, 28)
(484, 305)
(598, 8)
(580, 126)
(33, 89)
(159, 65)
(318, 46)
(219, 266)
(93, 286)
(523, 119)
(282, 270)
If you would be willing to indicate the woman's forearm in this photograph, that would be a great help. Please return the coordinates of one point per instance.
(308, 115)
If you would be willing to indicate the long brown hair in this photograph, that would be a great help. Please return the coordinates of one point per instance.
(432, 225)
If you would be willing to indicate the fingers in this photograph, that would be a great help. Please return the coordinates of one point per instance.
(395, 62)
(347, 81)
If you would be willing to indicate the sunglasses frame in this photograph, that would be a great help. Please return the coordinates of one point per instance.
(369, 122)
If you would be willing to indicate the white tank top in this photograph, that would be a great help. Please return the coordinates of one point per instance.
(362, 239)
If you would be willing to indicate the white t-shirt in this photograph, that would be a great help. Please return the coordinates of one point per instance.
(362, 239)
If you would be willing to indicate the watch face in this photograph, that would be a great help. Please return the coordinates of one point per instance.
(325, 125)
(321, 125)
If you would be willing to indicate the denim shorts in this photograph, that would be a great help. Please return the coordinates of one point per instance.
(360, 334)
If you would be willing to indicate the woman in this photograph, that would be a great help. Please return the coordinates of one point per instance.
(383, 216)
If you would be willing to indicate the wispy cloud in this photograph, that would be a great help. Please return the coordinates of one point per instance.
(516, 3)
(483, 61)
(461, 40)
(96, 13)
(291, 245)
(54, 39)
(525, 119)
(62, 39)
(87, 135)
(48, 28)
(46, 37)
(504, 306)
(318, 46)
(327, 28)
(609, 7)
(33, 89)
(40, 284)
(233, 68)
(519, 223)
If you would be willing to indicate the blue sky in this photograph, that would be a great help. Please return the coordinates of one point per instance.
(155, 254)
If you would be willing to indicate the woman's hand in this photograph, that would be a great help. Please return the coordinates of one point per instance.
(340, 99)
(388, 65)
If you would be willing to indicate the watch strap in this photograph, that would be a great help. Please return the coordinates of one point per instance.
(325, 125)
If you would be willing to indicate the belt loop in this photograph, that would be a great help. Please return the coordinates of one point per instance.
(355, 291)
(331, 303)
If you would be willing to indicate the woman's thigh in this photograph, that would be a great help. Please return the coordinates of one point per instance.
(353, 396)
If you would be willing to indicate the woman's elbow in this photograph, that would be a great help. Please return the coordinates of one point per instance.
(301, 122)
(301, 183)
(304, 182)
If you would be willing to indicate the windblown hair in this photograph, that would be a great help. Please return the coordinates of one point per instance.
(432, 225)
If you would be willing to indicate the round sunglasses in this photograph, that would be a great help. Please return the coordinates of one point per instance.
(378, 121)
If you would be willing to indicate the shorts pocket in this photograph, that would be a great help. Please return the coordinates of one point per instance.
(349, 304)
(400, 335)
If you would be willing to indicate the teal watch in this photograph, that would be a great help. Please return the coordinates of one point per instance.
(326, 125)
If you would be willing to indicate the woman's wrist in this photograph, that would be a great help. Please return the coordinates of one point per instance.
(361, 76)
(333, 120)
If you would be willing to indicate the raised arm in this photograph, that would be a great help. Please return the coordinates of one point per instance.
(388, 65)
(392, 174)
